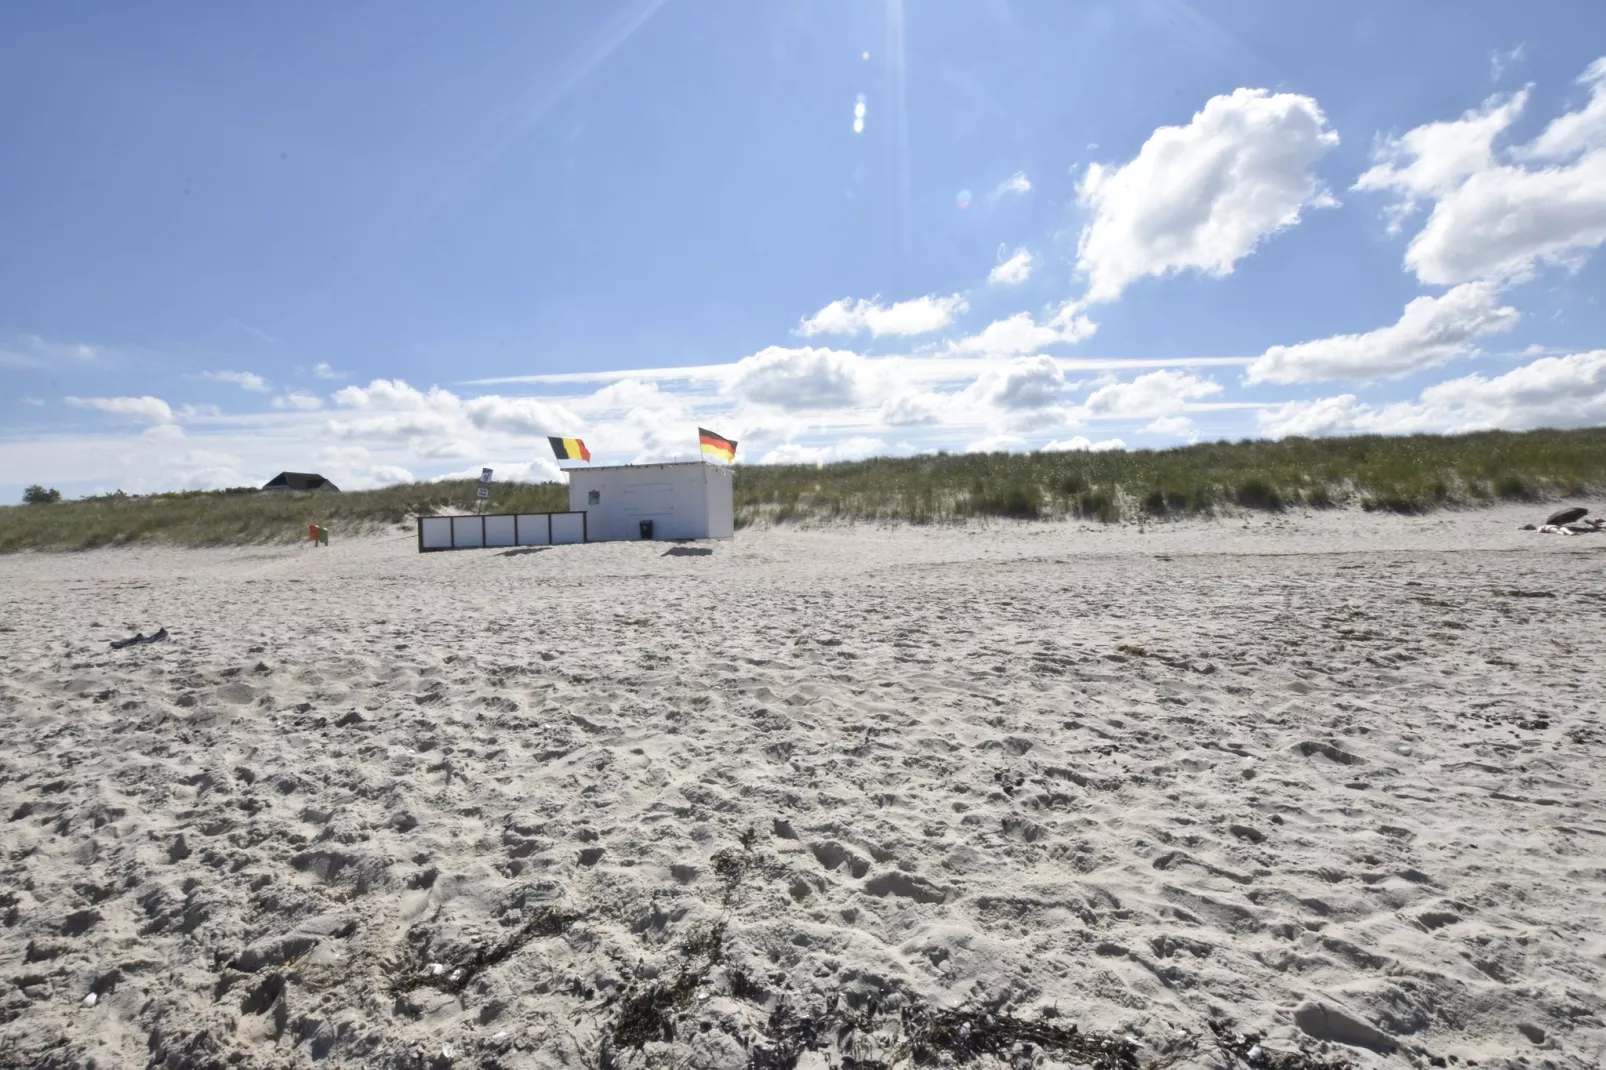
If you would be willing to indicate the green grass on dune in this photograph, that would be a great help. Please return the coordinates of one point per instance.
(239, 517)
(1399, 474)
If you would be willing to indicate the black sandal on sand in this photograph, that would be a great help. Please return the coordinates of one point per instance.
(140, 639)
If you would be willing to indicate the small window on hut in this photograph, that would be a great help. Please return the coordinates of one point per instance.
(593, 497)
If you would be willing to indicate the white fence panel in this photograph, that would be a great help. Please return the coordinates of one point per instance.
(533, 529)
(435, 533)
(568, 528)
(499, 531)
(467, 532)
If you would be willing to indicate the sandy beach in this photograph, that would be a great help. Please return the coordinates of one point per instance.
(1334, 779)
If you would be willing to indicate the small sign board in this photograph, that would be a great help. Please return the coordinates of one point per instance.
(483, 493)
(485, 476)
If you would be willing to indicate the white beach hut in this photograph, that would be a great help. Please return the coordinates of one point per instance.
(680, 500)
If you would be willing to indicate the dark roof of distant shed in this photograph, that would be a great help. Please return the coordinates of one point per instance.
(299, 481)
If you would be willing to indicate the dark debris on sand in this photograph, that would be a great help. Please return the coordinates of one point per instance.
(453, 977)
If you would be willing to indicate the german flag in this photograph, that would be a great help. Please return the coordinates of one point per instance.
(716, 445)
(569, 449)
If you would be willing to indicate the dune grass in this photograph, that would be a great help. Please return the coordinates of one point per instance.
(243, 516)
(1407, 474)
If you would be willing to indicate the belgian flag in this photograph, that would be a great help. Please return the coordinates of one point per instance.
(716, 445)
(569, 449)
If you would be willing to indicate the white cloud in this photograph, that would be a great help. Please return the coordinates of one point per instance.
(37, 403)
(1493, 216)
(393, 425)
(32, 351)
(1435, 158)
(243, 380)
(1159, 393)
(520, 416)
(1429, 332)
(450, 450)
(1015, 185)
(1077, 444)
(144, 408)
(1027, 383)
(1313, 419)
(163, 433)
(1565, 391)
(849, 449)
(324, 371)
(299, 401)
(1202, 196)
(401, 411)
(1578, 131)
(385, 475)
(1172, 427)
(798, 379)
(1004, 443)
(390, 394)
(920, 315)
(913, 409)
(539, 469)
(1021, 334)
(1499, 61)
(625, 395)
(1013, 271)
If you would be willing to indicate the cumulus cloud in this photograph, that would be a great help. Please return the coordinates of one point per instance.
(538, 469)
(914, 409)
(855, 448)
(385, 475)
(163, 433)
(393, 409)
(1202, 196)
(143, 408)
(1079, 444)
(1429, 332)
(1172, 427)
(1021, 334)
(324, 371)
(1578, 131)
(1567, 391)
(1158, 393)
(1435, 158)
(1027, 383)
(921, 315)
(1001, 443)
(243, 380)
(519, 416)
(1013, 271)
(798, 379)
(1015, 185)
(1494, 216)
(299, 401)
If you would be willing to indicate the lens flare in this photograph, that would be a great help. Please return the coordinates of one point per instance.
(858, 115)
(963, 199)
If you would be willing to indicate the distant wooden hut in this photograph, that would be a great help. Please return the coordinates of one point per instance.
(299, 481)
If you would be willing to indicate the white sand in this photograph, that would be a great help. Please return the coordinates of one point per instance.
(1344, 760)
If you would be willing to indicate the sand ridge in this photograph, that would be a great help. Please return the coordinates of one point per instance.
(1334, 775)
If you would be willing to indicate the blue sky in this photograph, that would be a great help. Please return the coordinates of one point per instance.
(390, 240)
